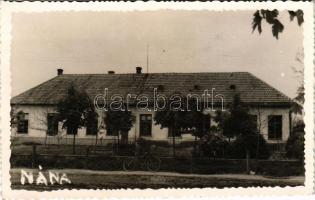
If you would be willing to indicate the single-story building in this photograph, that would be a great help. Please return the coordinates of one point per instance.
(270, 107)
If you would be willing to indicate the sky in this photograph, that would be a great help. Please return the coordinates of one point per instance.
(177, 41)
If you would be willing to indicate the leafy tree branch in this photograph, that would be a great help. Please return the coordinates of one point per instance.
(271, 17)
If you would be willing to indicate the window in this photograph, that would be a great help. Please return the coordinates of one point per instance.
(22, 126)
(145, 125)
(91, 127)
(275, 127)
(52, 124)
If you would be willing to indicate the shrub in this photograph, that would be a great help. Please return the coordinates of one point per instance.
(213, 145)
(298, 126)
(295, 146)
(143, 146)
(275, 168)
(31, 143)
(186, 144)
(159, 143)
(254, 143)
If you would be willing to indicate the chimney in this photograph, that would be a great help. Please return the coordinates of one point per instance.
(59, 72)
(138, 70)
(111, 72)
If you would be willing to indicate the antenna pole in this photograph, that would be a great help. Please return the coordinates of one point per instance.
(147, 58)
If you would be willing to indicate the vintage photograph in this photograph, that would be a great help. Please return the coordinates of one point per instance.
(157, 99)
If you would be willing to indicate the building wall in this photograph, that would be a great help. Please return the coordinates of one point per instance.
(157, 132)
(262, 121)
(37, 120)
(38, 125)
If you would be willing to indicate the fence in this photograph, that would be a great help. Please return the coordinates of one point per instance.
(169, 164)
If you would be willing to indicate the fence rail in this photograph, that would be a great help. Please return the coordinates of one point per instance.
(202, 165)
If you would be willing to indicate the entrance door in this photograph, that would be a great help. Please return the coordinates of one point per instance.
(145, 125)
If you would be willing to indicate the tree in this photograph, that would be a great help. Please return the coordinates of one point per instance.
(15, 115)
(222, 118)
(119, 122)
(297, 106)
(92, 124)
(295, 144)
(74, 111)
(246, 145)
(237, 121)
(196, 120)
(171, 119)
(271, 17)
(15, 118)
(189, 115)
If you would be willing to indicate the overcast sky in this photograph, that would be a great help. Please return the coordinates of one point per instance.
(179, 41)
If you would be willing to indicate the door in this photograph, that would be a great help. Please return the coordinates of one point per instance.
(145, 125)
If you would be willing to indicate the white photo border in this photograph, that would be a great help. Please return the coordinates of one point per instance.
(8, 8)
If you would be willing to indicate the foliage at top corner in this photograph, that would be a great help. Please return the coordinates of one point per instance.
(271, 17)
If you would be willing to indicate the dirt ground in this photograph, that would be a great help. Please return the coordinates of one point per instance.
(90, 179)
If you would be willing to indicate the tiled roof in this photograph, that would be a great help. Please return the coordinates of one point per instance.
(252, 90)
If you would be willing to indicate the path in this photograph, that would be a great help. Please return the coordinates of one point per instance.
(143, 179)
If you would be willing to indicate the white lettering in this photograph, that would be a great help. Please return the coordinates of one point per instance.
(28, 176)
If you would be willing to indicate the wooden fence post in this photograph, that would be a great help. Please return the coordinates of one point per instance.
(247, 161)
(34, 156)
(192, 164)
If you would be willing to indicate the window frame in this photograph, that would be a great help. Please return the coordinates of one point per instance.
(23, 122)
(141, 129)
(55, 124)
(277, 132)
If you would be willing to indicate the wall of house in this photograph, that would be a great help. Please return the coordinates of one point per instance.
(38, 125)
(157, 132)
(262, 121)
(37, 120)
